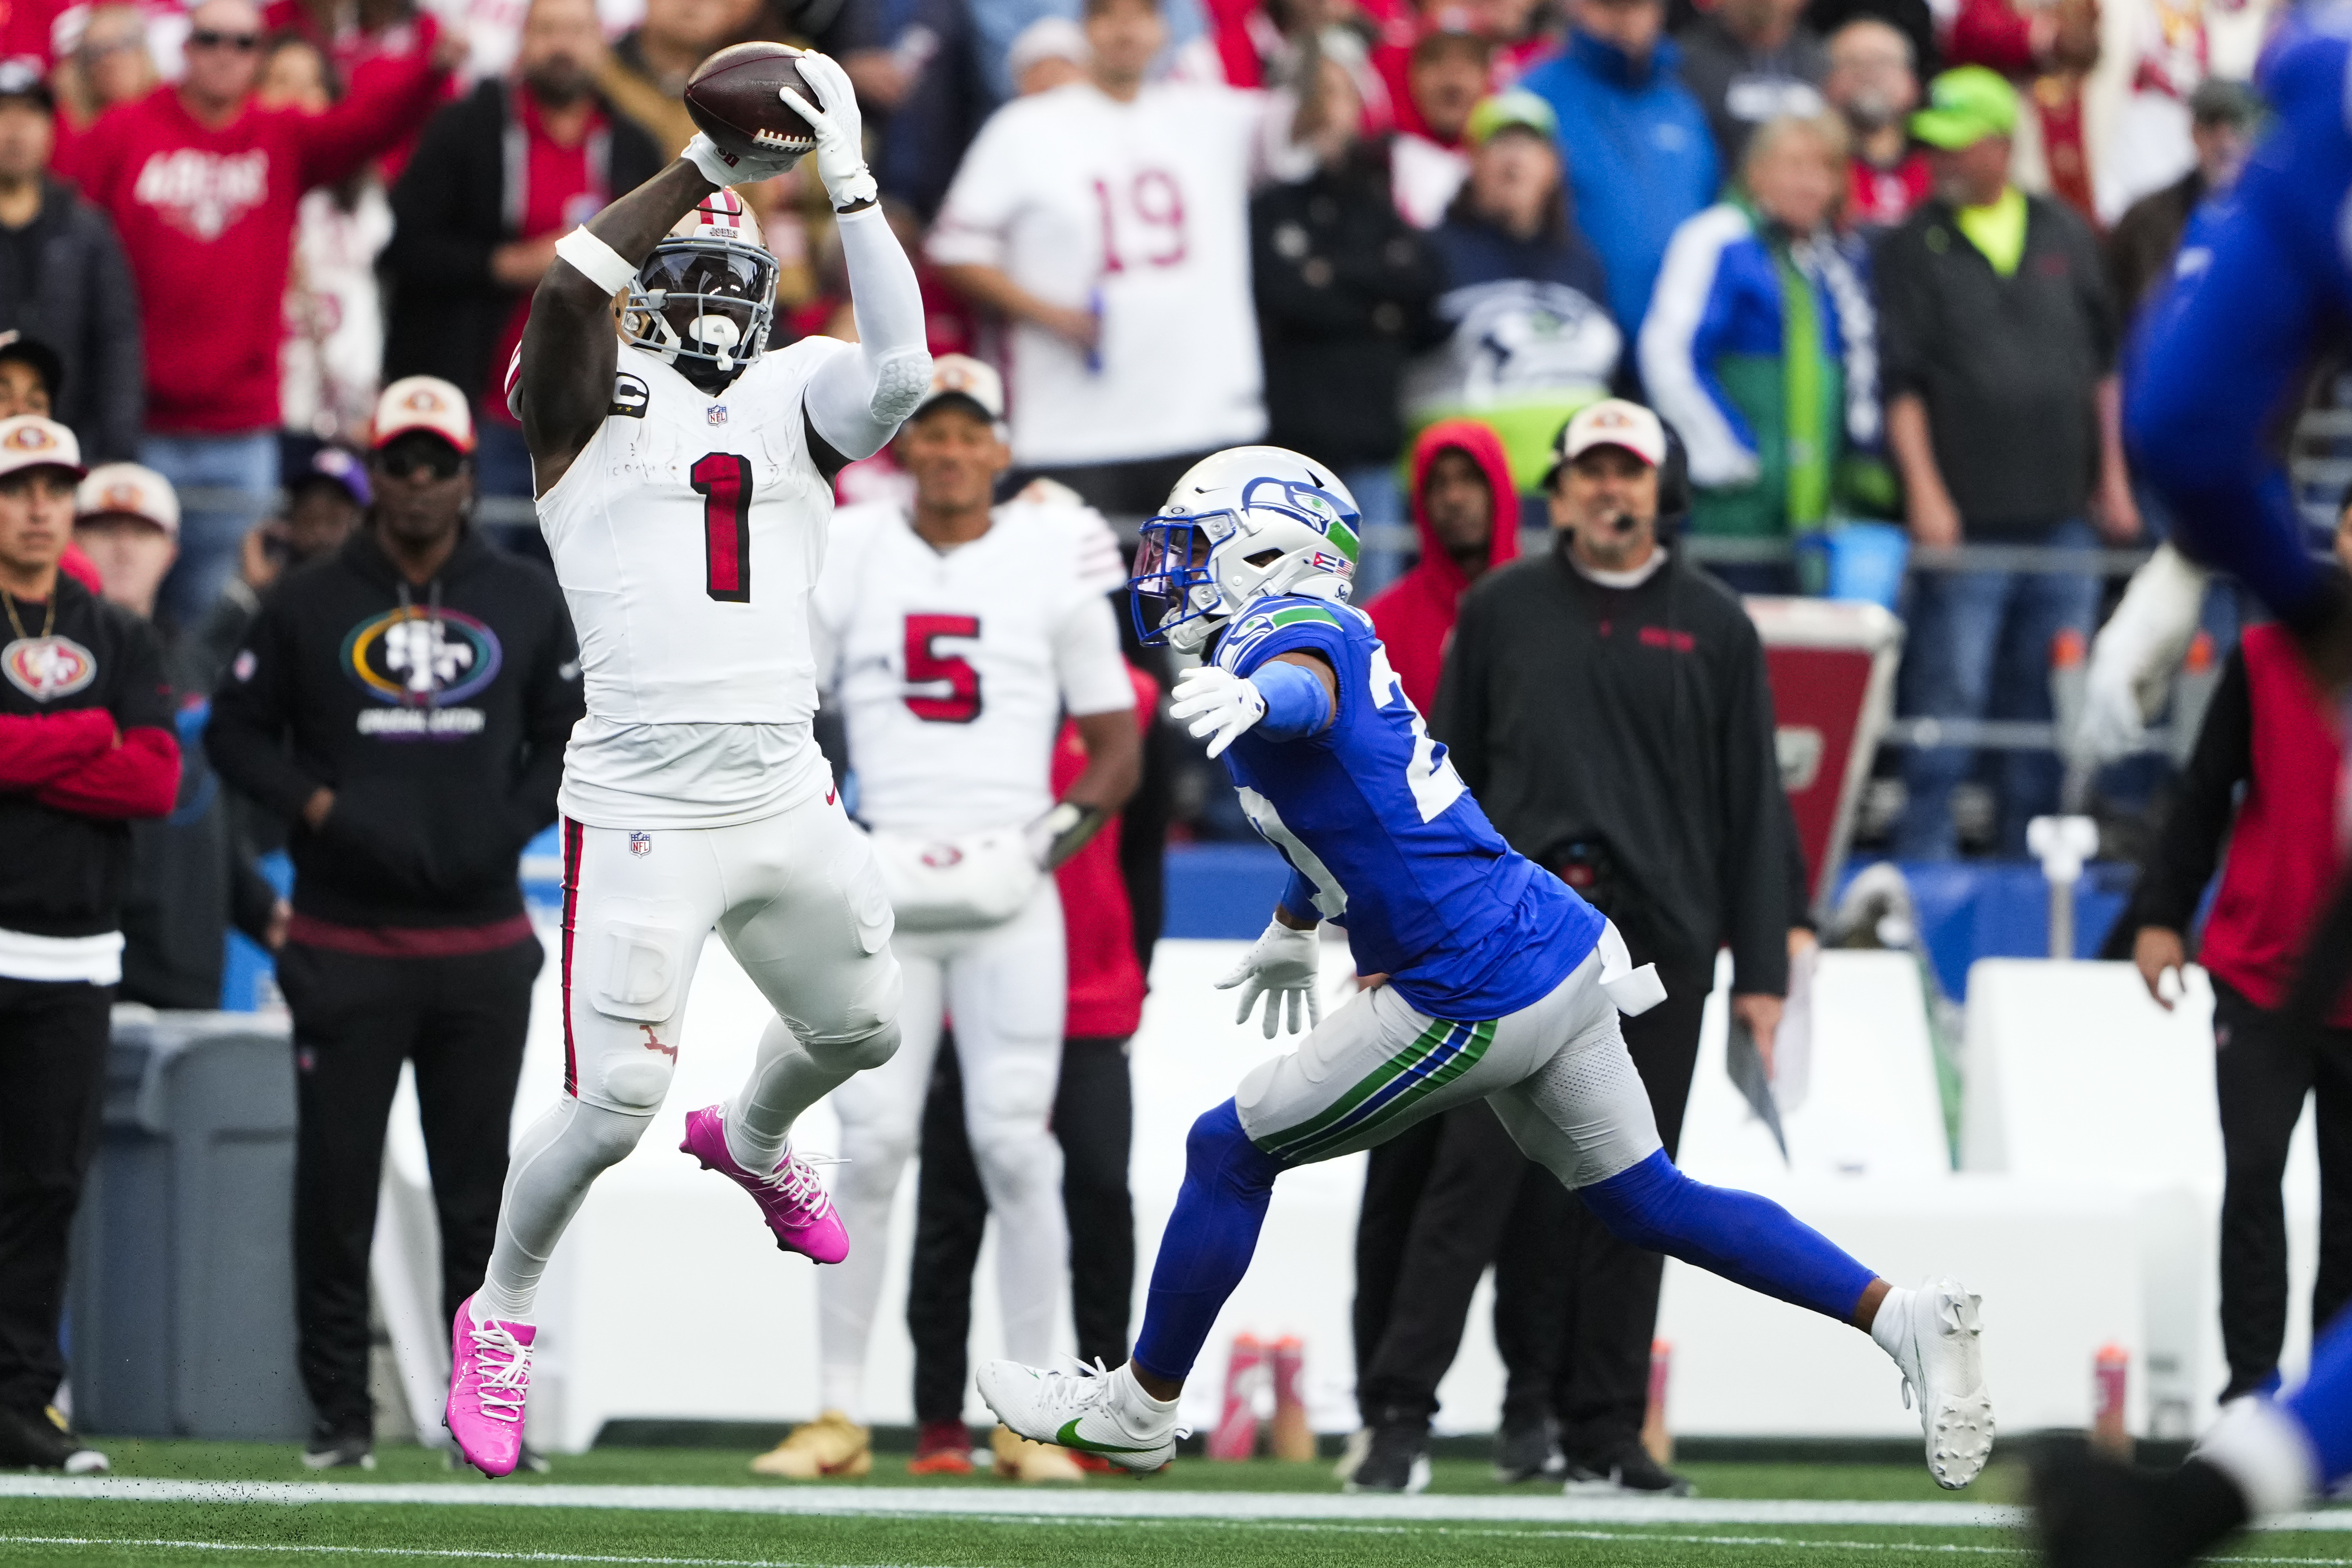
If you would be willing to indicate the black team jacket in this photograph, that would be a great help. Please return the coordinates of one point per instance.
(1623, 737)
(86, 745)
(438, 715)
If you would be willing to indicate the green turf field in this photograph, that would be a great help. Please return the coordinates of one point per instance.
(184, 1506)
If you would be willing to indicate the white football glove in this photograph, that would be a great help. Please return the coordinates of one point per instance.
(2135, 655)
(1225, 704)
(1280, 965)
(723, 169)
(840, 131)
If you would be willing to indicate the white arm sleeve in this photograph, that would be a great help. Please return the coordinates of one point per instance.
(1086, 660)
(856, 401)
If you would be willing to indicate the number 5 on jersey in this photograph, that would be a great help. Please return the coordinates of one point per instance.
(927, 666)
(723, 480)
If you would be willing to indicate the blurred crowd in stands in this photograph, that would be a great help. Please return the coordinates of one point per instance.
(1872, 260)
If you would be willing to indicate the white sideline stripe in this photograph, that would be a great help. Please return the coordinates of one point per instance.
(1618, 1537)
(1097, 1505)
(1131, 1502)
(469, 1555)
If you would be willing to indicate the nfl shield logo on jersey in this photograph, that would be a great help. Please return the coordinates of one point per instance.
(717, 414)
(641, 843)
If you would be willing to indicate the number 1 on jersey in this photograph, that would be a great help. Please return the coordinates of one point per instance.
(723, 480)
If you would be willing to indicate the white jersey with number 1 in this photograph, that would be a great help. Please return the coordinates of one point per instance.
(688, 536)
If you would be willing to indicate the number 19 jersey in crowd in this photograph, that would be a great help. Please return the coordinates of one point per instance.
(1385, 838)
(688, 536)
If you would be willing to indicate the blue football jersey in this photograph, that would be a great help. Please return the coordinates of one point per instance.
(1374, 820)
(2264, 276)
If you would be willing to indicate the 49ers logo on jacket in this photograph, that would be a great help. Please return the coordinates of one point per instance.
(45, 669)
(421, 665)
(203, 193)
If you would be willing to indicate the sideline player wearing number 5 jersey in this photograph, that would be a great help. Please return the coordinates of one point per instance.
(685, 489)
(1492, 980)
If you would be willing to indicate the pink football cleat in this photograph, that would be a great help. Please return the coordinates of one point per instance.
(792, 1201)
(489, 1379)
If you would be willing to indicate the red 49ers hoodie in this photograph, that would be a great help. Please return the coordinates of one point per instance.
(1414, 614)
(206, 215)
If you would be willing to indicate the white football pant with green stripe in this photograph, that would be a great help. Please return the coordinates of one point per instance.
(1556, 1072)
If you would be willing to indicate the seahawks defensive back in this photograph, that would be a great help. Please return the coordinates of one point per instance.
(1464, 926)
(1489, 979)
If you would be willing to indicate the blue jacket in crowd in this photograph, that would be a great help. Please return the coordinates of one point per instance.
(1640, 158)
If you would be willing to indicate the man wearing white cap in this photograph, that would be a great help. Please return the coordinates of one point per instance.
(403, 703)
(85, 747)
(190, 874)
(1607, 702)
(954, 635)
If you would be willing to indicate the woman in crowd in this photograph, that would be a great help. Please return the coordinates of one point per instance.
(1760, 347)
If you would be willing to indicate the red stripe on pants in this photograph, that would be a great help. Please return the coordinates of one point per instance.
(573, 835)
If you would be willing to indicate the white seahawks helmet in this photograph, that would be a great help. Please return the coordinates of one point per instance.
(1244, 524)
(707, 293)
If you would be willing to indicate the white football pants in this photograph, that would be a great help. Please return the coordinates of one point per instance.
(1005, 986)
(799, 902)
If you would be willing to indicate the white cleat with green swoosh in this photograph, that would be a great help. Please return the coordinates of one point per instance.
(1090, 1410)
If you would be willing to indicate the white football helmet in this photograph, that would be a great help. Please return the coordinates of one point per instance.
(1243, 524)
(715, 266)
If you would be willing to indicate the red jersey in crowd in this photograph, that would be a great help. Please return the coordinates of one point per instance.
(1414, 614)
(2283, 859)
(560, 190)
(1106, 978)
(28, 30)
(1880, 198)
(206, 215)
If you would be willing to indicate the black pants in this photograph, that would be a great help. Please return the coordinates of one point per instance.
(1119, 490)
(1094, 1120)
(2264, 1066)
(53, 1040)
(462, 1021)
(1441, 1202)
(1611, 1287)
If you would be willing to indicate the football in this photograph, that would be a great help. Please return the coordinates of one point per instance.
(733, 98)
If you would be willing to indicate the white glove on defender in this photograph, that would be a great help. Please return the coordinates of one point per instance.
(840, 131)
(1281, 964)
(2134, 653)
(722, 170)
(1225, 704)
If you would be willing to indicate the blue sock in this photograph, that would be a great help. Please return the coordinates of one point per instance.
(1748, 1240)
(2322, 1405)
(1206, 1247)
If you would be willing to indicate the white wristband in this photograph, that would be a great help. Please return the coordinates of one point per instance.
(596, 261)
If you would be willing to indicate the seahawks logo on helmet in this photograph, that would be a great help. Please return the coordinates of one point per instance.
(1245, 524)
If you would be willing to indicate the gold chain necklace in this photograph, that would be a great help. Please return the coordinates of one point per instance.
(48, 626)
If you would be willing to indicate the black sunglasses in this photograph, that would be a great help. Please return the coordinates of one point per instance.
(440, 462)
(206, 39)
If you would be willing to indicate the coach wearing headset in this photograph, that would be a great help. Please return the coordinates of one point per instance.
(1607, 703)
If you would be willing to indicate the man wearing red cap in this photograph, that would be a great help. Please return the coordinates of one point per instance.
(403, 704)
(85, 746)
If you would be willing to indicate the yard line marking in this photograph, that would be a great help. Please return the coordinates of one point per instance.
(1127, 1505)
